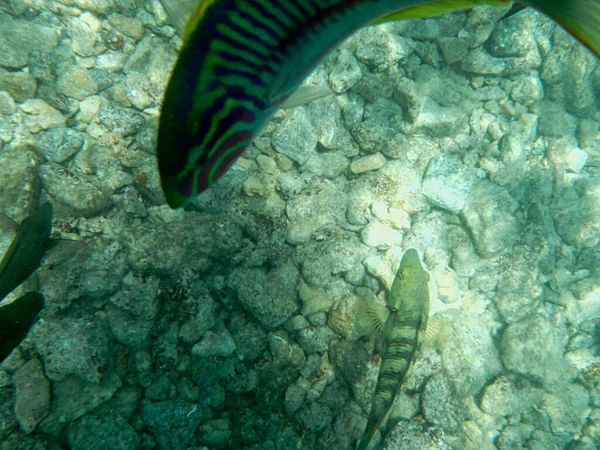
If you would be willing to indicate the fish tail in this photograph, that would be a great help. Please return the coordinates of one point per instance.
(401, 348)
(581, 18)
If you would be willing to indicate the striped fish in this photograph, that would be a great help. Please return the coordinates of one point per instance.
(403, 331)
(241, 59)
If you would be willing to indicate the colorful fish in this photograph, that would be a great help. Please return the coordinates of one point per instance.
(404, 325)
(241, 59)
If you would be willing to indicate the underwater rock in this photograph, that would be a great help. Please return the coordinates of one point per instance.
(172, 422)
(269, 296)
(314, 416)
(379, 125)
(534, 348)
(59, 144)
(567, 73)
(250, 340)
(554, 120)
(102, 425)
(326, 165)
(313, 340)
(440, 406)
(381, 236)
(567, 408)
(214, 344)
(19, 38)
(519, 294)
(575, 212)
(202, 318)
(509, 395)
(74, 347)
(317, 210)
(32, 395)
(345, 71)
(74, 192)
(73, 397)
(20, 184)
(41, 116)
(215, 433)
(489, 214)
(130, 312)
(415, 435)
(97, 6)
(448, 183)
(284, 350)
(527, 89)
(76, 83)
(381, 49)
(367, 163)
(454, 49)
(295, 137)
(20, 85)
(479, 62)
(130, 26)
(512, 436)
(469, 355)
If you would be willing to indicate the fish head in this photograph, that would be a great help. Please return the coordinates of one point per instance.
(410, 261)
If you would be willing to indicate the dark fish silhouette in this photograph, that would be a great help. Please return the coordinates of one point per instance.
(16, 318)
(25, 253)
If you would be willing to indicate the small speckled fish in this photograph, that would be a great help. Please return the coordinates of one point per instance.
(403, 332)
(16, 318)
(241, 59)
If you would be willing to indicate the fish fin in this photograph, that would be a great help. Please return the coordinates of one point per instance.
(433, 9)
(436, 331)
(305, 94)
(178, 12)
(63, 247)
(378, 315)
(8, 225)
(581, 18)
(371, 315)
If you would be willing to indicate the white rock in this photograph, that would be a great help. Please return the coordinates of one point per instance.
(381, 236)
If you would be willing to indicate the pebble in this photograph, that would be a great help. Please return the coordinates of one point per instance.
(32, 392)
(74, 193)
(345, 71)
(381, 236)
(214, 344)
(367, 163)
(41, 116)
(448, 183)
(295, 137)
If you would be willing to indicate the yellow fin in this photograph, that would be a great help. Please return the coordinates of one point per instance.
(581, 18)
(305, 94)
(7, 225)
(436, 331)
(371, 315)
(378, 314)
(434, 8)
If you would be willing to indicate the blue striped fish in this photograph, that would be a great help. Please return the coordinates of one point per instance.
(241, 59)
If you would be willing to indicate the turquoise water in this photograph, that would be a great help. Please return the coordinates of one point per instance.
(239, 321)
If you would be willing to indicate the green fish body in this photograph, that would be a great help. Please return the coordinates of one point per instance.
(27, 248)
(16, 319)
(241, 59)
(403, 332)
